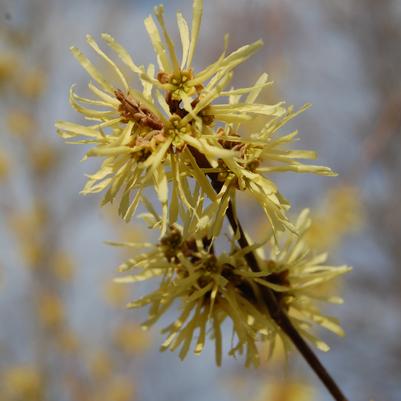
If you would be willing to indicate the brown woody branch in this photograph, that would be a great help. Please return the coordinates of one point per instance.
(281, 318)
(275, 310)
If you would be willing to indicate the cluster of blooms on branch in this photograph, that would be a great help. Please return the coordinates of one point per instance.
(184, 135)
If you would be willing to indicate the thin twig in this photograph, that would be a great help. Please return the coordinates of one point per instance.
(279, 316)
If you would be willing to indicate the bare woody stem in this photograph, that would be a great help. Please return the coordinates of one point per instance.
(281, 318)
(275, 310)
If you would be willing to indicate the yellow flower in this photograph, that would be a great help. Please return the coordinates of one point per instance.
(22, 383)
(340, 214)
(165, 131)
(51, 310)
(210, 288)
(118, 389)
(4, 165)
(8, 63)
(286, 390)
(216, 286)
(28, 229)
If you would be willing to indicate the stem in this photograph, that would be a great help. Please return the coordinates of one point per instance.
(276, 312)
(281, 318)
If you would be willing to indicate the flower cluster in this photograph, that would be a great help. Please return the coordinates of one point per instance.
(182, 124)
(212, 287)
(184, 134)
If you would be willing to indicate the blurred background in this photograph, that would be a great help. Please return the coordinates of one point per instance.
(64, 333)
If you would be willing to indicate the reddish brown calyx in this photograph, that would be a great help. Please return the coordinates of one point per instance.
(131, 110)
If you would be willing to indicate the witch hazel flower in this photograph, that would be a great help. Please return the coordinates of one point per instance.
(213, 287)
(172, 126)
(208, 286)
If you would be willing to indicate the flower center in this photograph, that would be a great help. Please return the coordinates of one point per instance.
(179, 83)
(176, 129)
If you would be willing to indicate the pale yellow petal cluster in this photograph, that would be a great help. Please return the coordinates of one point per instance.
(182, 135)
(205, 286)
(148, 137)
(213, 288)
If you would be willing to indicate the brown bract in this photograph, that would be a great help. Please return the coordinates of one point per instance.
(131, 110)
